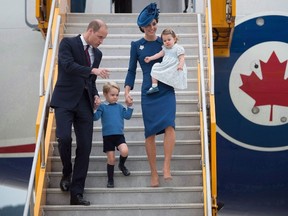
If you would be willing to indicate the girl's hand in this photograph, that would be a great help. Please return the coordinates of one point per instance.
(180, 68)
(147, 59)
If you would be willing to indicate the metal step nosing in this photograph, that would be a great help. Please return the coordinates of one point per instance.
(124, 69)
(187, 57)
(124, 206)
(139, 128)
(136, 36)
(135, 173)
(133, 190)
(141, 142)
(138, 158)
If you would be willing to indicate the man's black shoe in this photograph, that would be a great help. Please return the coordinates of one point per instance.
(65, 183)
(124, 170)
(78, 200)
(110, 184)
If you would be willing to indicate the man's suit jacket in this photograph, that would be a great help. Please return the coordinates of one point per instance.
(73, 74)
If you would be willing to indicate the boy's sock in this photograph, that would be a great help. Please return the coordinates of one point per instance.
(110, 175)
(122, 167)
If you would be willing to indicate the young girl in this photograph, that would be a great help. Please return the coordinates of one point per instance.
(172, 70)
(112, 117)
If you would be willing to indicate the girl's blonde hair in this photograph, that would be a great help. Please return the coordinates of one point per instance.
(169, 31)
(108, 85)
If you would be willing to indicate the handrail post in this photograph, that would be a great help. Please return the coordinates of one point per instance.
(42, 143)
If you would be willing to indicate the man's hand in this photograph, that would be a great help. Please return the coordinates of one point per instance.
(102, 72)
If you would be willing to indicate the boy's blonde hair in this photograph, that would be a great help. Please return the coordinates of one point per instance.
(108, 85)
(169, 31)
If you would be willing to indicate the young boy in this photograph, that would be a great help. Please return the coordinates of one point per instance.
(112, 117)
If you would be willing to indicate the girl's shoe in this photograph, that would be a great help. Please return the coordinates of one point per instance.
(152, 90)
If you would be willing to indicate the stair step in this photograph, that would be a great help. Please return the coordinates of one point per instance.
(137, 132)
(136, 179)
(120, 73)
(129, 17)
(192, 84)
(182, 147)
(186, 209)
(124, 50)
(183, 118)
(180, 95)
(123, 61)
(129, 28)
(182, 104)
(141, 195)
(135, 163)
(125, 39)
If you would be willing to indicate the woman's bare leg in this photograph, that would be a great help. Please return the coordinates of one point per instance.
(169, 143)
(151, 154)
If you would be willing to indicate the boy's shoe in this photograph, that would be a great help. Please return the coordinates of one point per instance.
(110, 184)
(152, 90)
(124, 170)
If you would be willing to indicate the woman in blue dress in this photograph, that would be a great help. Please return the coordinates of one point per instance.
(158, 109)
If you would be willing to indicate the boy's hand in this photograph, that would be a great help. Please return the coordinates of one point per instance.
(97, 101)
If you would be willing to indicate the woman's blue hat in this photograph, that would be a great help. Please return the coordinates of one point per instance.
(146, 16)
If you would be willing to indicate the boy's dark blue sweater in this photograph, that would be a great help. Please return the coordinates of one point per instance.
(112, 117)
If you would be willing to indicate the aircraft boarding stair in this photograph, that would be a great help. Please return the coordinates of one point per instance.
(132, 195)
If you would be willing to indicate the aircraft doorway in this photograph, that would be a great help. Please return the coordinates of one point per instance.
(123, 6)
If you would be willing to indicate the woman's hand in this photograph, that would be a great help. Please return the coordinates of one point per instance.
(128, 100)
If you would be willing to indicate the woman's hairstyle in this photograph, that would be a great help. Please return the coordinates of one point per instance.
(109, 85)
(157, 19)
(169, 31)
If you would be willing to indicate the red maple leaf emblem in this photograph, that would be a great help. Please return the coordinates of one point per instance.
(272, 89)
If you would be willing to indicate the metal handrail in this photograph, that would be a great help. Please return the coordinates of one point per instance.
(47, 44)
(203, 106)
(210, 44)
(40, 139)
(213, 144)
(32, 26)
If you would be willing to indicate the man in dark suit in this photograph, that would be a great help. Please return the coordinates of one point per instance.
(74, 99)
